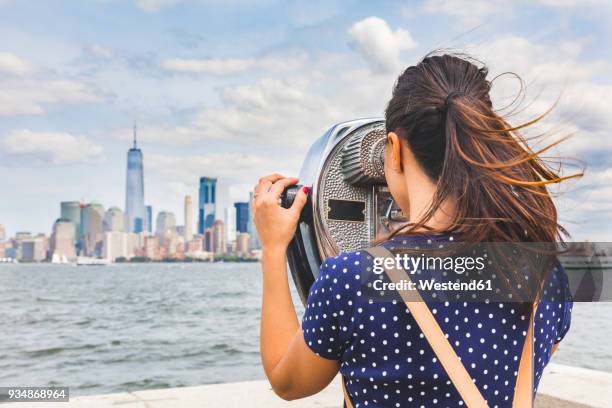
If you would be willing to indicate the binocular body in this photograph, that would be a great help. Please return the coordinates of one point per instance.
(349, 206)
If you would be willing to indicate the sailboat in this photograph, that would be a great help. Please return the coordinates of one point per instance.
(59, 258)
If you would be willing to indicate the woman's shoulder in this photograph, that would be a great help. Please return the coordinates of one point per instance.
(344, 266)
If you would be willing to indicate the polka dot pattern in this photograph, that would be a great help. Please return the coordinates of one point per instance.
(385, 358)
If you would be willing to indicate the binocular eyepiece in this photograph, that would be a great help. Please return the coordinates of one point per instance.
(288, 195)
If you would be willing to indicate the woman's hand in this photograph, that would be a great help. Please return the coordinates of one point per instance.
(275, 224)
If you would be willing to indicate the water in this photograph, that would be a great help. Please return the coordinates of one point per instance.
(139, 326)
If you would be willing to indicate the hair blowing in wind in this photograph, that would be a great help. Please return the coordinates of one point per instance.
(442, 109)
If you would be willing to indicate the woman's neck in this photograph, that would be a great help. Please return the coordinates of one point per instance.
(421, 195)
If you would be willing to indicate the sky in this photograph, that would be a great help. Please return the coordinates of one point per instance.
(238, 89)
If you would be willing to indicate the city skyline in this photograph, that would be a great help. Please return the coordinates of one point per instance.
(236, 90)
(86, 231)
(69, 210)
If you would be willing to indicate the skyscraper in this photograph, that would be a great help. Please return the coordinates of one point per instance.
(251, 225)
(218, 237)
(63, 240)
(208, 240)
(188, 218)
(243, 243)
(230, 223)
(166, 223)
(135, 215)
(149, 218)
(71, 211)
(92, 220)
(206, 208)
(33, 249)
(242, 217)
(115, 245)
(114, 219)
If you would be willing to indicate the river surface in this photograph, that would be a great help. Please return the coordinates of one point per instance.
(126, 327)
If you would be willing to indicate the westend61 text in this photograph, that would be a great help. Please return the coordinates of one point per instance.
(431, 284)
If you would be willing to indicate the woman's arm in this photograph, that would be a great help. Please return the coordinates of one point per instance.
(293, 370)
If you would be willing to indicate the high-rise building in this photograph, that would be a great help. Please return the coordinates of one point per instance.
(33, 249)
(134, 247)
(207, 201)
(165, 224)
(230, 223)
(251, 225)
(63, 240)
(218, 237)
(93, 232)
(242, 216)
(149, 218)
(188, 218)
(116, 245)
(114, 219)
(72, 211)
(2, 233)
(208, 240)
(195, 245)
(242, 243)
(135, 214)
(151, 247)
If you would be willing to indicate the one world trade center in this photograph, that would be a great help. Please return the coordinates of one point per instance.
(135, 214)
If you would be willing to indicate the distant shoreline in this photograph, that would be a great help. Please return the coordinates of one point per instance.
(145, 261)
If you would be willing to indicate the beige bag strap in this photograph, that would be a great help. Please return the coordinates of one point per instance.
(446, 354)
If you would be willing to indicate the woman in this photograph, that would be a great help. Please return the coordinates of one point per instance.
(461, 173)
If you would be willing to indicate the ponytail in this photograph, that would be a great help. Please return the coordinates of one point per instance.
(442, 109)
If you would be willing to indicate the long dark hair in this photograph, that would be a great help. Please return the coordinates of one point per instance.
(442, 109)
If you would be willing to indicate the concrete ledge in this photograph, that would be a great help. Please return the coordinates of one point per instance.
(578, 385)
(561, 387)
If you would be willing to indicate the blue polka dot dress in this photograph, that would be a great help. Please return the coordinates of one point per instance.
(384, 357)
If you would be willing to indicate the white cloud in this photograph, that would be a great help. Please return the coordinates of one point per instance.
(49, 147)
(230, 66)
(162, 134)
(13, 65)
(470, 12)
(270, 111)
(551, 72)
(586, 205)
(285, 113)
(152, 6)
(378, 44)
(236, 174)
(601, 4)
(475, 12)
(101, 51)
(35, 97)
(544, 63)
(229, 165)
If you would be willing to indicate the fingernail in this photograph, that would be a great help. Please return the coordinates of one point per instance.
(305, 190)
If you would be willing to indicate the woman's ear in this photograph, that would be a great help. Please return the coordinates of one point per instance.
(395, 151)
